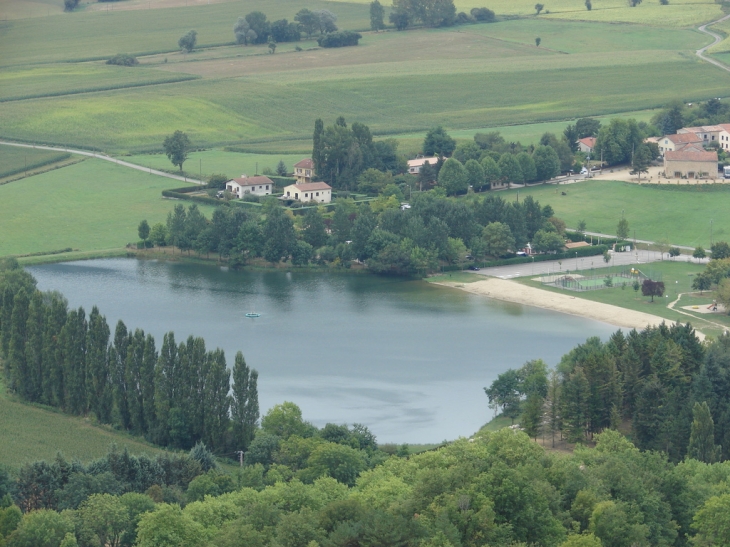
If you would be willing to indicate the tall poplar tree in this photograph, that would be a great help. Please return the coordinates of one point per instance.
(317, 147)
(133, 381)
(165, 371)
(73, 341)
(53, 379)
(118, 364)
(16, 366)
(33, 390)
(147, 376)
(97, 362)
(244, 403)
(217, 400)
(6, 314)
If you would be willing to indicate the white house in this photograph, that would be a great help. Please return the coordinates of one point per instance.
(706, 133)
(724, 136)
(587, 144)
(304, 171)
(321, 192)
(258, 186)
(414, 166)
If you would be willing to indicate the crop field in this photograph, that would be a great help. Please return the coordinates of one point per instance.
(92, 205)
(31, 433)
(724, 46)
(16, 160)
(680, 215)
(231, 164)
(95, 35)
(676, 14)
(56, 80)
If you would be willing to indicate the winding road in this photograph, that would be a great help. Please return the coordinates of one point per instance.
(105, 158)
(716, 40)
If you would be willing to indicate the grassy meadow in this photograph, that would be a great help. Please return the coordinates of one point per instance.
(209, 162)
(89, 206)
(681, 215)
(32, 433)
(16, 160)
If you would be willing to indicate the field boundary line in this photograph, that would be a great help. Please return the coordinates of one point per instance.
(106, 158)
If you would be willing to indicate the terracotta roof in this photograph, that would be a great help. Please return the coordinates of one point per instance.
(252, 181)
(725, 127)
(590, 142)
(680, 138)
(305, 164)
(690, 155)
(310, 186)
(418, 162)
(690, 147)
(652, 139)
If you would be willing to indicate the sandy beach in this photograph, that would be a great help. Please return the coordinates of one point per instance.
(510, 291)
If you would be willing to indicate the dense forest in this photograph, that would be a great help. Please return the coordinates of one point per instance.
(175, 397)
(433, 232)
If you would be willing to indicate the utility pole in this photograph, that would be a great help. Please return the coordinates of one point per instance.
(240, 456)
(710, 232)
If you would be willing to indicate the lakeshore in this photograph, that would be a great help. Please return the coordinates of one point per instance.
(510, 291)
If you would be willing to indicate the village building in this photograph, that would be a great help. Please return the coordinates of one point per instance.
(723, 137)
(690, 164)
(259, 186)
(414, 166)
(587, 144)
(706, 133)
(304, 171)
(321, 192)
(673, 143)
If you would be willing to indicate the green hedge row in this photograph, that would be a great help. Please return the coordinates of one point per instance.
(593, 250)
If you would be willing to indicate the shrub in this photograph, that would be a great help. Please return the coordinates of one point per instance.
(482, 14)
(123, 59)
(339, 39)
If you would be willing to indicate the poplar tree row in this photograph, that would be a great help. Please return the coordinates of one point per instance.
(175, 397)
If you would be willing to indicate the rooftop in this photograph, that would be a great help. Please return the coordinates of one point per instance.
(691, 155)
(305, 164)
(252, 181)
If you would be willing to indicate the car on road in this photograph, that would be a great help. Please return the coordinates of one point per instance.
(474, 268)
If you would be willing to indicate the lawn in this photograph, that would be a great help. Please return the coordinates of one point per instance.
(31, 433)
(680, 215)
(90, 206)
(16, 160)
(231, 164)
(677, 278)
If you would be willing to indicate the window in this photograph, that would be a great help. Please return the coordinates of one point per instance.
(267, 186)
(677, 174)
(296, 195)
(317, 194)
(287, 194)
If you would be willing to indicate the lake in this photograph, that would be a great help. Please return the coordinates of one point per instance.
(406, 358)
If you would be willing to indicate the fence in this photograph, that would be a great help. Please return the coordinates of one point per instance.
(581, 283)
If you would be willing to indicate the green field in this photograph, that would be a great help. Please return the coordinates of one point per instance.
(16, 160)
(31, 433)
(681, 216)
(677, 278)
(92, 205)
(231, 164)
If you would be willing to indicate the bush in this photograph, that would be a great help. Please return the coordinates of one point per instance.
(482, 14)
(339, 39)
(123, 59)
(462, 18)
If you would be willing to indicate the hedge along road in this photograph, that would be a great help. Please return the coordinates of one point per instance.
(716, 39)
(105, 158)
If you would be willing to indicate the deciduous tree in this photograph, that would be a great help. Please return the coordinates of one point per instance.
(176, 147)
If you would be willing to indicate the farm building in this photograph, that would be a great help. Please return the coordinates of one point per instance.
(414, 166)
(304, 171)
(259, 185)
(690, 164)
(320, 192)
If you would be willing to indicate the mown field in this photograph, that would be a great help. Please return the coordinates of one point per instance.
(31, 433)
(92, 205)
(682, 216)
(16, 160)
(231, 164)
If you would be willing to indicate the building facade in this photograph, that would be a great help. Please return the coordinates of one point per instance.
(321, 192)
(258, 186)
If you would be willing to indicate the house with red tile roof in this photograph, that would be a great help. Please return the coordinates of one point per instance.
(304, 171)
(587, 144)
(320, 192)
(259, 185)
(690, 164)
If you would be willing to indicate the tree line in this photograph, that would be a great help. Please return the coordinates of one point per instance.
(176, 397)
(255, 28)
(497, 488)
(661, 384)
(380, 234)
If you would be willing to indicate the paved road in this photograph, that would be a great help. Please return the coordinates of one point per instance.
(597, 234)
(105, 158)
(716, 39)
(571, 264)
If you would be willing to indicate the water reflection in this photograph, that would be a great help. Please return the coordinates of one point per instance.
(406, 358)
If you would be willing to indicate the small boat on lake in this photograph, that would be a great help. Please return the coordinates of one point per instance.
(253, 314)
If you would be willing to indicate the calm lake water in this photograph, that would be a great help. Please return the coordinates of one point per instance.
(405, 358)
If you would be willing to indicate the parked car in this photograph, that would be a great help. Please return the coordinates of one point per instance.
(219, 194)
(474, 268)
